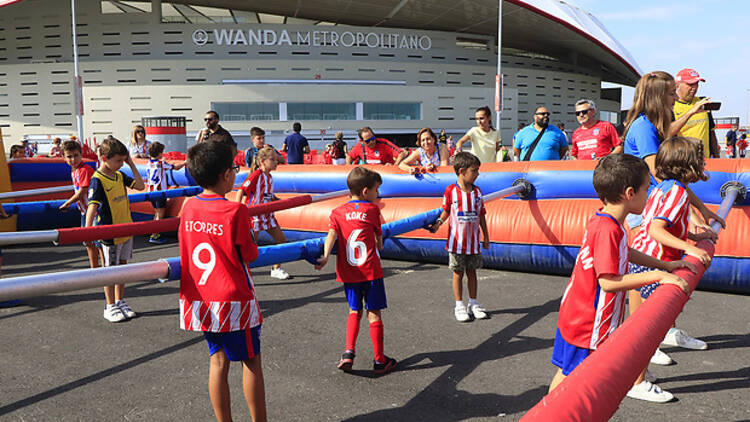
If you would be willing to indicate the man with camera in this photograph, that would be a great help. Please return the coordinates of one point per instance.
(693, 114)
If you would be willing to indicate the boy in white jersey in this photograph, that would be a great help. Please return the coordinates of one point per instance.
(157, 180)
(462, 202)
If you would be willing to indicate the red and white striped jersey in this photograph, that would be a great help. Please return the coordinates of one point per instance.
(258, 189)
(464, 209)
(588, 315)
(157, 175)
(82, 179)
(667, 201)
(216, 289)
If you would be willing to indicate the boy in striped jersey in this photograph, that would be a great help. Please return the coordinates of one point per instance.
(462, 202)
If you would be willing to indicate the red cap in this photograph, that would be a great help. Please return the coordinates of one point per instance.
(689, 76)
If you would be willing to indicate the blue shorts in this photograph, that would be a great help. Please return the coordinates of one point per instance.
(159, 203)
(371, 292)
(567, 356)
(647, 289)
(237, 345)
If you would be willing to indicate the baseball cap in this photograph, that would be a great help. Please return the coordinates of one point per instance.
(689, 76)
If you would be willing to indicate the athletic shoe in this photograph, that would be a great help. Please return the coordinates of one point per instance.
(157, 239)
(347, 360)
(661, 358)
(384, 368)
(461, 314)
(649, 392)
(113, 313)
(125, 309)
(650, 377)
(478, 311)
(679, 338)
(279, 273)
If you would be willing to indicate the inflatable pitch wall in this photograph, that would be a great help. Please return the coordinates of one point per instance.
(541, 234)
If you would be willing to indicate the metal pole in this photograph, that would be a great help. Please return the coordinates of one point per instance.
(44, 284)
(18, 238)
(326, 196)
(499, 75)
(34, 192)
(77, 80)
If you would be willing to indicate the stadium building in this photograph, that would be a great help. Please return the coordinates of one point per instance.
(395, 65)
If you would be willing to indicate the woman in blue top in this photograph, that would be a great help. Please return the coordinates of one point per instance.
(429, 155)
(647, 125)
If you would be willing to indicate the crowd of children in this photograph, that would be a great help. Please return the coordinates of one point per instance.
(218, 237)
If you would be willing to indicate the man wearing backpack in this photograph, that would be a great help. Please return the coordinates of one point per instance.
(339, 149)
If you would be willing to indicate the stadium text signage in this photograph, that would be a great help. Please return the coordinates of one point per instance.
(270, 37)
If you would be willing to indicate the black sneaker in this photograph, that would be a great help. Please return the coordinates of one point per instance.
(384, 368)
(346, 362)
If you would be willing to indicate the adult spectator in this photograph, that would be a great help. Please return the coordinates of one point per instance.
(540, 140)
(485, 140)
(731, 139)
(138, 143)
(690, 118)
(296, 146)
(595, 138)
(561, 126)
(429, 155)
(214, 132)
(339, 149)
(372, 150)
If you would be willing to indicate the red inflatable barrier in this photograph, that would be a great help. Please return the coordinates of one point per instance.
(594, 390)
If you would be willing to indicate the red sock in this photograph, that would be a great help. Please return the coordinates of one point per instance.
(376, 334)
(352, 330)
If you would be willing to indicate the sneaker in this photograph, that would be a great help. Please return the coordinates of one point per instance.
(650, 377)
(125, 309)
(478, 311)
(679, 338)
(649, 392)
(113, 313)
(347, 360)
(461, 314)
(279, 273)
(661, 358)
(157, 239)
(384, 368)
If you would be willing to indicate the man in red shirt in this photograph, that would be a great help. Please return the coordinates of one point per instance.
(595, 138)
(372, 150)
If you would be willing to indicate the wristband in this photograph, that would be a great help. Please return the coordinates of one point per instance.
(440, 220)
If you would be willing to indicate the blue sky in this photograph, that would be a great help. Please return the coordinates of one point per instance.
(710, 36)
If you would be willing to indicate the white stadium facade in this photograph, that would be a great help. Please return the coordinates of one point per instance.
(394, 65)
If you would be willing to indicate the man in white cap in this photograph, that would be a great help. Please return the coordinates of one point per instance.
(690, 117)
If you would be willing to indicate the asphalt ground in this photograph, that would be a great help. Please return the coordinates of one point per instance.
(61, 361)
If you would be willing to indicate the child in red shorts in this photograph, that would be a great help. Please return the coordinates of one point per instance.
(216, 290)
(357, 226)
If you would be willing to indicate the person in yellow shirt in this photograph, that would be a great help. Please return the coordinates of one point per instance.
(691, 120)
(485, 139)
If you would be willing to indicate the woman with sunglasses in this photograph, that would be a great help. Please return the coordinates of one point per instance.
(138, 143)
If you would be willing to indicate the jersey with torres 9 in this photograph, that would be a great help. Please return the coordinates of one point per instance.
(356, 224)
(216, 290)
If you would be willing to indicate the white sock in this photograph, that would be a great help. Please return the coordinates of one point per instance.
(459, 303)
(473, 302)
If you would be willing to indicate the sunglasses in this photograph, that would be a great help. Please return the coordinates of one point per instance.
(208, 119)
(542, 114)
(582, 112)
(140, 131)
(236, 168)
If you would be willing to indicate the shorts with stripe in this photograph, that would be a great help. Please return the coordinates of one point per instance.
(113, 254)
(237, 345)
(264, 222)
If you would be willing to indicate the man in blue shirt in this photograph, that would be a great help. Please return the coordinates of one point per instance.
(296, 146)
(551, 146)
(731, 139)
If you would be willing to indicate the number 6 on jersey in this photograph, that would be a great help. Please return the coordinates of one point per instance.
(207, 267)
(356, 250)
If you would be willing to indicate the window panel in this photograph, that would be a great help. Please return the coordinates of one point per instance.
(392, 111)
